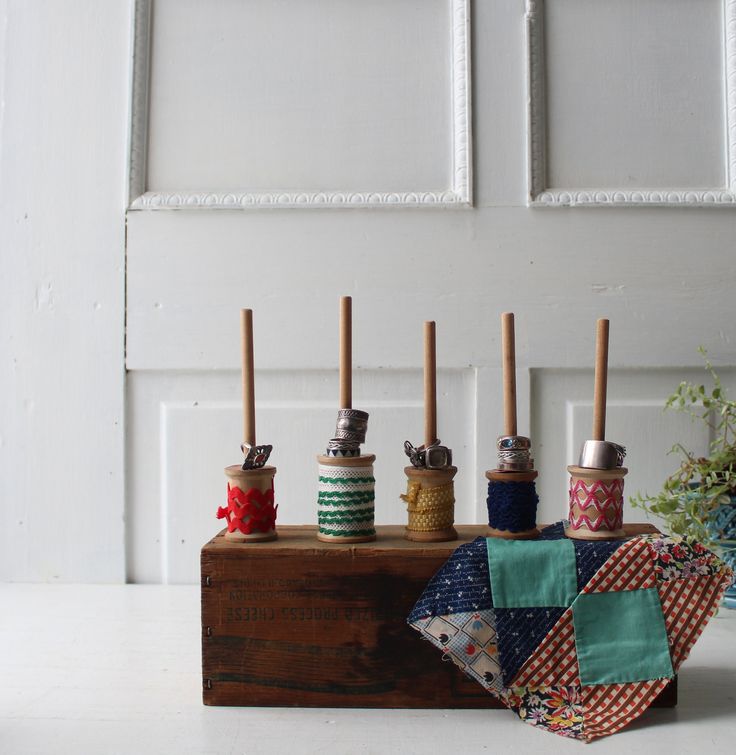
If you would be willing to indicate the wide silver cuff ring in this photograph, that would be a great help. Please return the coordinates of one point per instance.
(601, 454)
(352, 425)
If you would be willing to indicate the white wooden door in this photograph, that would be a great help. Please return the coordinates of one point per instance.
(285, 153)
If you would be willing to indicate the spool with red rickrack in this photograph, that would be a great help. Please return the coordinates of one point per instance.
(251, 511)
(596, 505)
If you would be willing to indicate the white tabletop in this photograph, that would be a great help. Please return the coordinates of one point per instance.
(116, 669)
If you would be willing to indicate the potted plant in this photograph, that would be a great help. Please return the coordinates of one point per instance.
(699, 499)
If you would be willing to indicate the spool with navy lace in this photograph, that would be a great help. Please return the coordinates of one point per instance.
(512, 496)
(512, 504)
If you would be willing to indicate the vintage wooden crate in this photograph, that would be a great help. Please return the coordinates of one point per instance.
(296, 622)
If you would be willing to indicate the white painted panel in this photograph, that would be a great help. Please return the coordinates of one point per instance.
(190, 272)
(562, 403)
(302, 103)
(635, 93)
(185, 430)
(632, 102)
(63, 94)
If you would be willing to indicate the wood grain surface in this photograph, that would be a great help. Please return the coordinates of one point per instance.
(297, 622)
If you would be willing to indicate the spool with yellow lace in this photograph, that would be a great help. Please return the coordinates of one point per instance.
(430, 504)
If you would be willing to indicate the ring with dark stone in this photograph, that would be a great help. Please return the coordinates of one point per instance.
(509, 442)
(432, 456)
(255, 456)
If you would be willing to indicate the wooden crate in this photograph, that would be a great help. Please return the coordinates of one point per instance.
(297, 622)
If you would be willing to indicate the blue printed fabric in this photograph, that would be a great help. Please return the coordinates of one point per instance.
(519, 632)
(462, 584)
(468, 566)
(555, 531)
(591, 555)
(636, 606)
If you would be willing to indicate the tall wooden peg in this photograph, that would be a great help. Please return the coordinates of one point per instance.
(248, 376)
(601, 380)
(346, 352)
(509, 373)
(430, 383)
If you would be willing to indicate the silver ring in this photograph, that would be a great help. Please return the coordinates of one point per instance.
(355, 414)
(601, 454)
(342, 453)
(255, 456)
(513, 442)
(350, 422)
(352, 425)
(516, 454)
(349, 435)
(516, 466)
(338, 444)
(431, 456)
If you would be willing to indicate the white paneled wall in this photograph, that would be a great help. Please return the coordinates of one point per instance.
(63, 125)
(185, 429)
(285, 152)
(562, 409)
(638, 103)
(632, 102)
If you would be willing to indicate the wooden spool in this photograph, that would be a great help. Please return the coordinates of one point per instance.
(261, 478)
(497, 475)
(365, 460)
(247, 479)
(581, 531)
(508, 355)
(607, 508)
(431, 478)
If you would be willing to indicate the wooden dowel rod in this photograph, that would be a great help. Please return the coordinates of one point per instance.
(601, 380)
(509, 373)
(346, 352)
(430, 383)
(249, 391)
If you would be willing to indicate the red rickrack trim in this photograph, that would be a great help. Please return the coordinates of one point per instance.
(250, 511)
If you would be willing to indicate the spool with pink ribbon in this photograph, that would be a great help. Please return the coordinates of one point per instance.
(596, 503)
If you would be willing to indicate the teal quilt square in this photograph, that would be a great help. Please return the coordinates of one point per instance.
(620, 637)
(528, 573)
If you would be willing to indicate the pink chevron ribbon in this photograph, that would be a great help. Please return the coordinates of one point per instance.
(607, 499)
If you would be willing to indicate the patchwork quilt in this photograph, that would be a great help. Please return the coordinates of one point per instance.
(578, 637)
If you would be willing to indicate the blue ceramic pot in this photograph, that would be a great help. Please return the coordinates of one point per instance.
(722, 527)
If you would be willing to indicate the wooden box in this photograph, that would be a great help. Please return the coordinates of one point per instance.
(297, 622)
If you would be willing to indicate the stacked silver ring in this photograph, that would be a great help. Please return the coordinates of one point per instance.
(350, 431)
(432, 456)
(601, 454)
(514, 453)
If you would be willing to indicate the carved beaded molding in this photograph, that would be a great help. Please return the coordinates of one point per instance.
(539, 194)
(459, 194)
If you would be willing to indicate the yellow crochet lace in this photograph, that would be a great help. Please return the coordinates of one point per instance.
(429, 509)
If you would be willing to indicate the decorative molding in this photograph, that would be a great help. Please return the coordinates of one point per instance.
(139, 80)
(729, 44)
(459, 194)
(540, 195)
